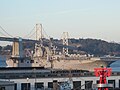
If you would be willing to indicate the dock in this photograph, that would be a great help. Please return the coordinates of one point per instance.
(42, 79)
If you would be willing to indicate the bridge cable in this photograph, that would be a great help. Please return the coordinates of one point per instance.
(30, 33)
(45, 33)
(3, 34)
(5, 31)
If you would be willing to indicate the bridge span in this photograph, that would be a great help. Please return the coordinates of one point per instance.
(17, 39)
(17, 49)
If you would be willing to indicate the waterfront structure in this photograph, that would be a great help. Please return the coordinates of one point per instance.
(40, 78)
(7, 85)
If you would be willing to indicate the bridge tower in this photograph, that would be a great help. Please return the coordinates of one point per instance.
(39, 37)
(17, 50)
(39, 34)
(65, 42)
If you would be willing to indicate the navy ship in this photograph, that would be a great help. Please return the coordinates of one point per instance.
(46, 57)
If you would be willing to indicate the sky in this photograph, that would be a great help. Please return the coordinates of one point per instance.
(97, 19)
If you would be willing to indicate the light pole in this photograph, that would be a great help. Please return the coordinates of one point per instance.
(35, 78)
(27, 83)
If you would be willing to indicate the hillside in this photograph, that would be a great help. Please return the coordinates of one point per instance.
(89, 46)
(96, 47)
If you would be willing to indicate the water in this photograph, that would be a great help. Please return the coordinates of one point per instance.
(3, 61)
(115, 66)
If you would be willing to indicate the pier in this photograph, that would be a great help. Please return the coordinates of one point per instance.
(40, 78)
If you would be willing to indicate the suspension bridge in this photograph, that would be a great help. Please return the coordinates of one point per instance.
(37, 32)
(18, 41)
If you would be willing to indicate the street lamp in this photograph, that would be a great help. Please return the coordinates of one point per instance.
(35, 78)
(27, 83)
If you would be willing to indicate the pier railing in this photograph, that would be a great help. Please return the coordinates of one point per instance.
(33, 73)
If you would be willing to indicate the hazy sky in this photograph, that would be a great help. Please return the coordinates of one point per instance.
(81, 18)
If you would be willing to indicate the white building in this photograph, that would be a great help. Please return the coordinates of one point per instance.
(42, 79)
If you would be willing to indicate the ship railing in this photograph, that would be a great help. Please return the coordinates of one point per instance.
(75, 58)
(110, 58)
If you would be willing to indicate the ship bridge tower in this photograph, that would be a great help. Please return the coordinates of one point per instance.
(65, 43)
